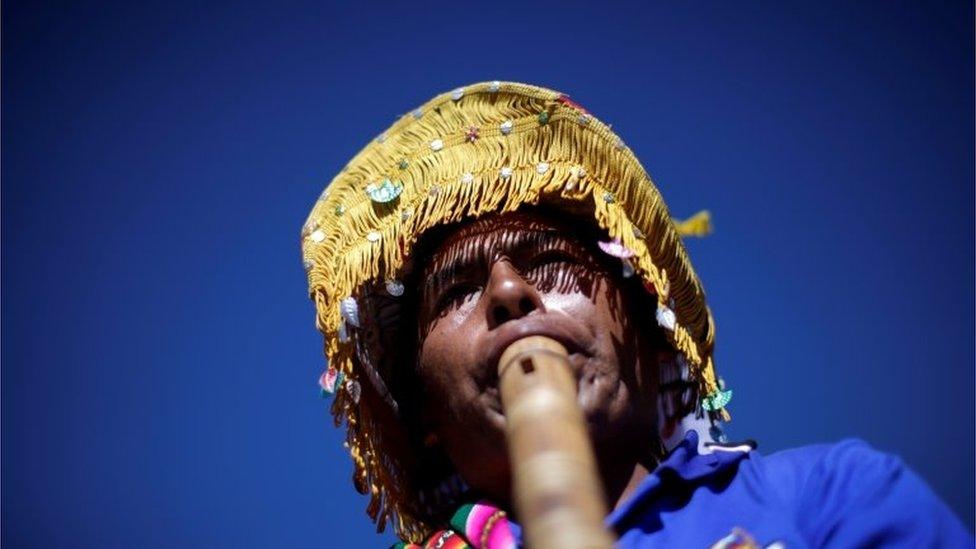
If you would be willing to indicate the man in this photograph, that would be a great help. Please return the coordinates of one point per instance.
(502, 210)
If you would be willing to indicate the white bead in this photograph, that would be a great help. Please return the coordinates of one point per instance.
(584, 119)
(418, 112)
(436, 145)
(457, 94)
(349, 310)
(506, 172)
(318, 235)
(394, 288)
(665, 318)
(494, 86)
(381, 138)
(372, 236)
(542, 167)
(506, 127)
(467, 178)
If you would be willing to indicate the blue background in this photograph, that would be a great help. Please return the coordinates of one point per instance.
(159, 354)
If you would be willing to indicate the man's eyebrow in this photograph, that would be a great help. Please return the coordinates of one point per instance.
(470, 253)
(540, 239)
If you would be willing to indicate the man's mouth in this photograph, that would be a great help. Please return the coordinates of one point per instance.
(574, 338)
(492, 394)
(571, 337)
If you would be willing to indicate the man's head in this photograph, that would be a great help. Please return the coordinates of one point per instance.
(503, 277)
(467, 160)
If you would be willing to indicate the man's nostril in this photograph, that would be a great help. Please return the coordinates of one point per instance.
(526, 305)
(501, 314)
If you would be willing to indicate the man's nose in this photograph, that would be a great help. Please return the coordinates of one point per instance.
(509, 296)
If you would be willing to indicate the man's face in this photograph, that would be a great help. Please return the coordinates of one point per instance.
(505, 277)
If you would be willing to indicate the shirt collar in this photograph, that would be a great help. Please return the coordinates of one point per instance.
(688, 464)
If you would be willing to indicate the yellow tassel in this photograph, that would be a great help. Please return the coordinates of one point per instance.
(699, 224)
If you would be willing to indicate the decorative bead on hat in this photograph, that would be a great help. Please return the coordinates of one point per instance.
(491, 147)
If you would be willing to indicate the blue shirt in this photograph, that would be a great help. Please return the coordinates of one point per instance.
(839, 495)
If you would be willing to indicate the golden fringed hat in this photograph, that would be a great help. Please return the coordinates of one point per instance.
(484, 148)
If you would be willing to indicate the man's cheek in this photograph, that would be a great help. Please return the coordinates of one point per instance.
(571, 303)
(444, 365)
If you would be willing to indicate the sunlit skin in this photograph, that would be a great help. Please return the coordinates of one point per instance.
(504, 277)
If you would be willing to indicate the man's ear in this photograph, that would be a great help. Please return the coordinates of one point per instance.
(429, 421)
(426, 416)
(653, 348)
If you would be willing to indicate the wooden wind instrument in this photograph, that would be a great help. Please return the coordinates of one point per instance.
(556, 488)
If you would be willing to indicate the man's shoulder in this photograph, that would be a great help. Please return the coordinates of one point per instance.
(845, 493)
(838, 470)
(847, 455)
(848, 491)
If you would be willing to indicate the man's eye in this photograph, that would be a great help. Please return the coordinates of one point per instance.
(555, 270)
(456, 295)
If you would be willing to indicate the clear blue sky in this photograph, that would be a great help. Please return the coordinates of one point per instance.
(159, 359)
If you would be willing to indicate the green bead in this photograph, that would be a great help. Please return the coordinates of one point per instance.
(717, 400)
(339, 210)
(385, 191)
(403, 164)
(544, 117)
